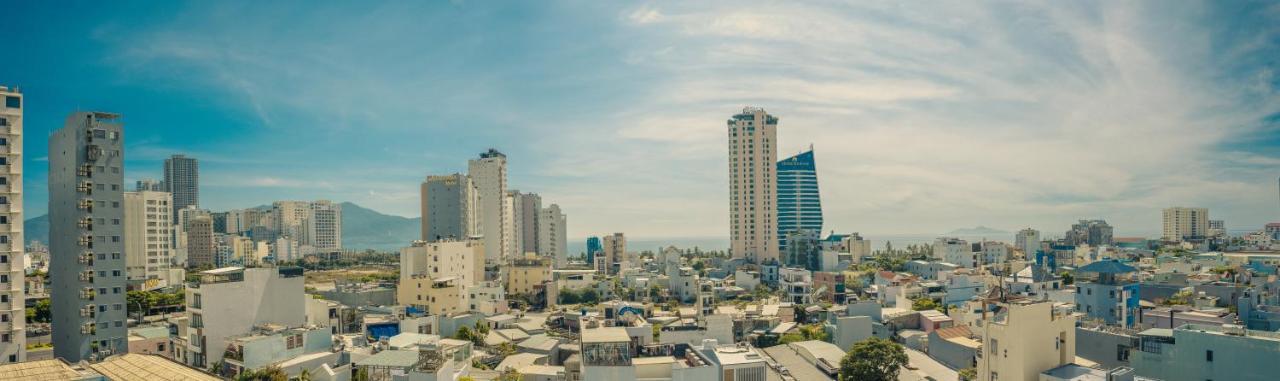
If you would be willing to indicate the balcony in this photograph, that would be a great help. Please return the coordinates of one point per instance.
(88, 293)
(85, 187)
(86, 276)
(86, 258)
(89, 329)
(88, 311)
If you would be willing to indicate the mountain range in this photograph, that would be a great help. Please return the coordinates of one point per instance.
(362, 228)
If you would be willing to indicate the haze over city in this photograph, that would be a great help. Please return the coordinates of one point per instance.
(924, 117)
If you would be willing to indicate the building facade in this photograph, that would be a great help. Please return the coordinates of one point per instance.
(449, 206)
(1027, 241)
(147, 250)
(615, 252)
(489, 173)
(201, 247)
(799, 204)
(1181, 223)
(323, 226)
(1022, 339)
(13, 338)
(753, 136)
(553, 236)
(86, 174)
(182, 180)
(230, 301)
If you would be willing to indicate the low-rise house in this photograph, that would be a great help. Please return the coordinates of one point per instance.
(1205, 352)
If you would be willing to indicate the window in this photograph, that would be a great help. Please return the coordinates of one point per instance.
(1208, 356)
(12, 101)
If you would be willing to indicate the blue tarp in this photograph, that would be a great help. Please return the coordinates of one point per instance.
(383, 330)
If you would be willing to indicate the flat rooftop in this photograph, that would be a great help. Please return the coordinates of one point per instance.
(605, 335)
(140, 367)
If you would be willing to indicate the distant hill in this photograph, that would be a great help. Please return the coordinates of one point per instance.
(367, 229)
(980, 230)
(37, 229)
(361, 229)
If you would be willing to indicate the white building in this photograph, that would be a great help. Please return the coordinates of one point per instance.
(553, 235)
(954, 250)
(147, 251)
(230, 301)
(12, 300)
(1027, 242)
(463, 259)
(489, 173)
(753, 154)
(797, 283)
(991, 252)
(323, 226)
(1021, 339)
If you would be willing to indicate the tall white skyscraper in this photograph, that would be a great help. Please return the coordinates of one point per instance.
(1182, 223)
(13, 338)
(511, 239)
(753, 136)
(489, 173)
(1028, 241)
(147, 228)
(552, 237)
(323, 226)
(87, 266)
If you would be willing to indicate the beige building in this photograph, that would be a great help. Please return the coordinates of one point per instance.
(1023, 338)
(201, 248)
(463, 259)
(615, 251)
(526, 276)
(13, 338)
(552, 235)
(1181, 223)
(489, 173)
(438, 296)
(288, 217)
(753, 136)
(147, 251)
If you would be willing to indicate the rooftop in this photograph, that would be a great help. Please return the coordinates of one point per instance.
(55, 370)
(605, 335)
(140, 367)
(733, 355)
(1077, 373)
(391, 359)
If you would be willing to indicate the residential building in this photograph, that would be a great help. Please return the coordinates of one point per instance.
(489, 174)
(13, 336)
(149, 185)
(528, 275)
(86, 168)
(147, 252)
(797, 284)
(799, 205)
(753, 136)
(463, 259)
(1021, 339)
(528, 217)
(288, 217)
(1112, 297)
(231, 301)
(292, 349)
(511, 239)
(1089, 232)
(802, 250)
(182, 180)
(450, 208)
(991, 252)
(1185, 223)
(1027, 242)
(200, 243)
(553, 237)
(956, 251)
(615, 252)
(1206, 352)
(323, 226)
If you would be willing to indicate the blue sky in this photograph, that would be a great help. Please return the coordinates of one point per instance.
(925, 116)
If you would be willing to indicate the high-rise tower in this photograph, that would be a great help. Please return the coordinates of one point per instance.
(182, 179)
(489, 173)
(799, 205)
(13, 338)
(753, 135)
(86, 247)
(449, 206)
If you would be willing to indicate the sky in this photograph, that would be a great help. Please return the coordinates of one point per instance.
(925, 116)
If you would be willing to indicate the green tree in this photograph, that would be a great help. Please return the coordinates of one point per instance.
(511, 374)
(1067, 278)
(921, 304)
(873, 359)
(968, 374)
(362, 374)
(41, 313)
(791, 338)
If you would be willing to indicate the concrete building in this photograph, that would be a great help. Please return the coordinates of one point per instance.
(147, 252)
(449, 208)
(593, 247)
(753, 154)
(489, 174)
(1021, 339)
(553, 237)
(149, 185)
(955, 251)
(323, 226)
(991, 252)
(528, 217)
(797, 284)
(1111, 297)
(1183, 223)
(13, 338)
(182, 180)
(463, 259)
(615, 252)
(1089, 232)
(200, 243)
(1027, 242)
(799, 205)
(293, 349)
(230, 301)
(528, 275)
(86, 168)
(1202, 352)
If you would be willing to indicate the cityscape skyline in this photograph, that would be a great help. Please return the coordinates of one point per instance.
(929, 147)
